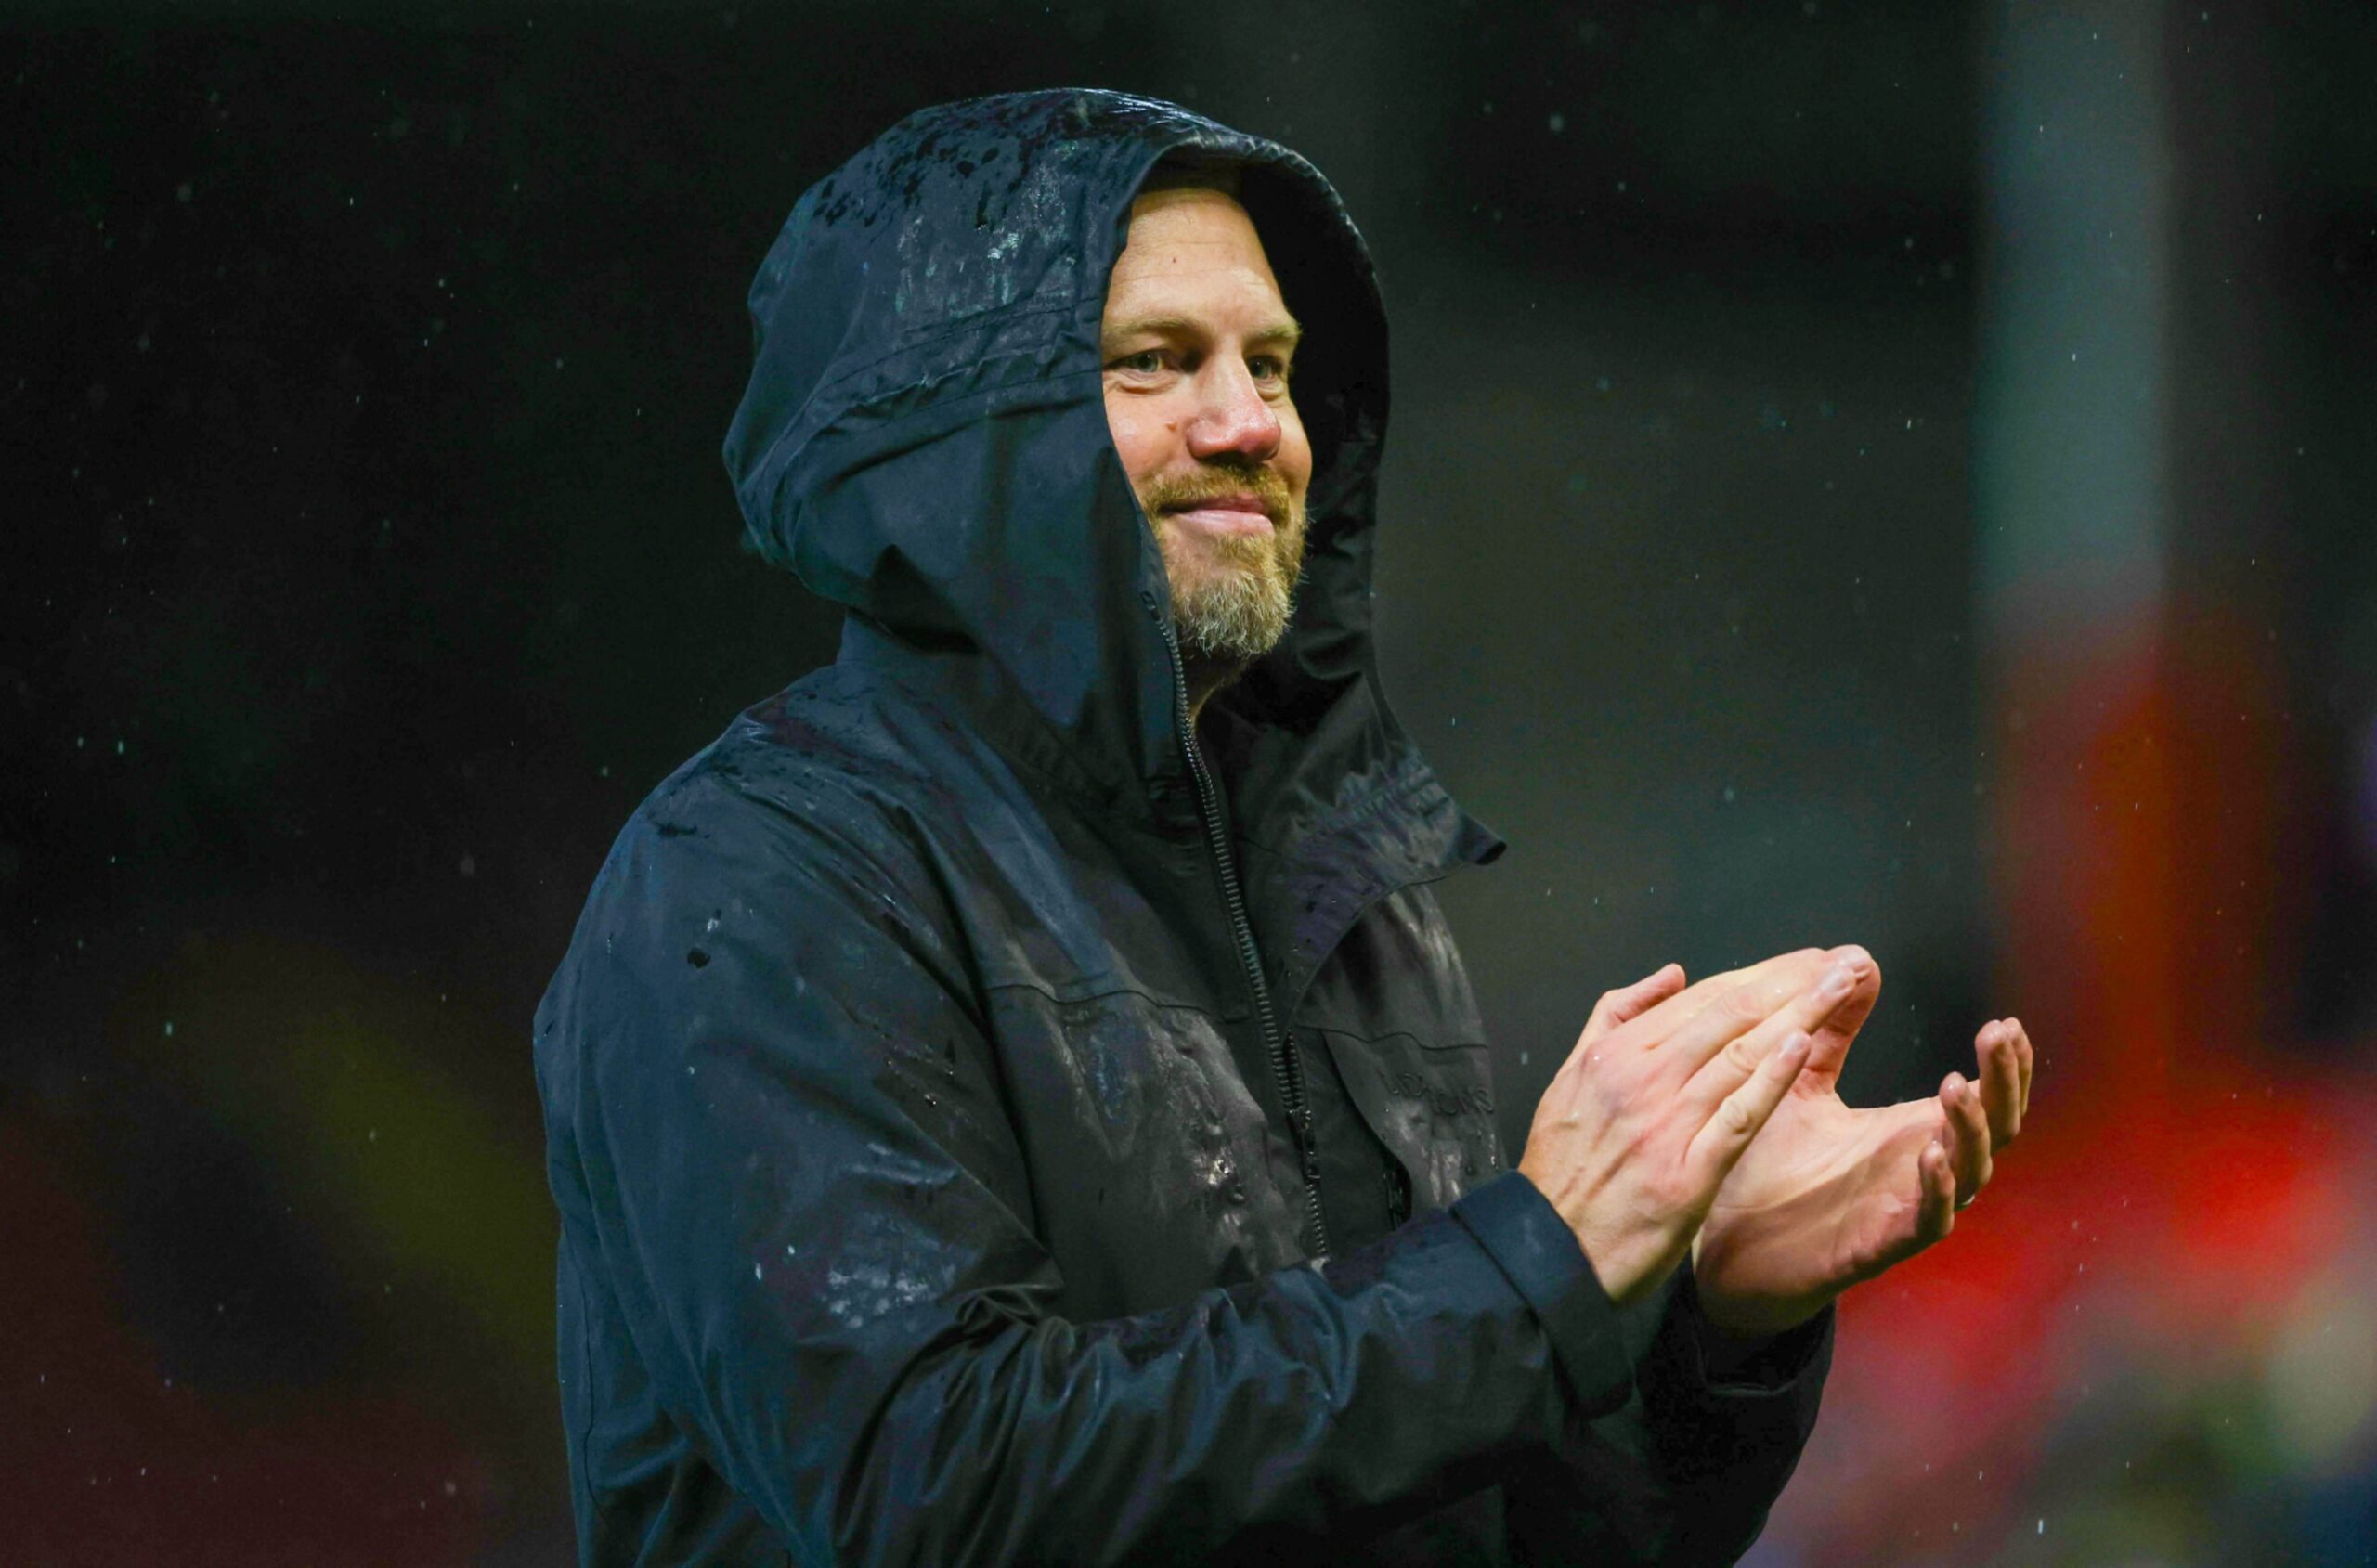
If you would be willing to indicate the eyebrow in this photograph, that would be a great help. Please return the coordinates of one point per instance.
(1286, 329)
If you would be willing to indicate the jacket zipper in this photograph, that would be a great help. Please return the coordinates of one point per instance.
(1275, 1039)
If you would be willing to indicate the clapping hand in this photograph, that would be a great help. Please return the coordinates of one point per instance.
(1826, 1196)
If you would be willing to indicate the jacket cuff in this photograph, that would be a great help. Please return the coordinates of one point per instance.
(1720, 1367)
(1538, 1252)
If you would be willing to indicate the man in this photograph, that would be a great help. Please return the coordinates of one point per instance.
(1014, 1097)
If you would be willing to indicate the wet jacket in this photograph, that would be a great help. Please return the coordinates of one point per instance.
(991, 1122)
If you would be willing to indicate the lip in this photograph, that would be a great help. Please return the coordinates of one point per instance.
(1224, 514)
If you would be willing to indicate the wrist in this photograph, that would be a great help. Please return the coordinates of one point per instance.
(1768, 1353)
(1626, 1273)
(1757, 1321)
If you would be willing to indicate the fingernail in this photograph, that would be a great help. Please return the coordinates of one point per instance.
(1837, 982)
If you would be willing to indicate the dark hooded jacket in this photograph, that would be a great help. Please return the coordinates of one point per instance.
(994, 1124)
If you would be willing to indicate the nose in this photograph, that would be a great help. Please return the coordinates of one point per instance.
(1232, 417)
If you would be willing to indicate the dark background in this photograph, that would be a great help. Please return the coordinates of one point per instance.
(369, 557)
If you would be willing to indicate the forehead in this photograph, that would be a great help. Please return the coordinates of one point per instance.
(1195, 241)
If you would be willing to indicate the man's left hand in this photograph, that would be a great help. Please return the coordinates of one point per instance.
(1825, 1196)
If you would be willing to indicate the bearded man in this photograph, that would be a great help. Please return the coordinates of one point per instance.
(1014, 1097)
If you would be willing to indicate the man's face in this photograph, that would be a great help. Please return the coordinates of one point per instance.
(1197, 346)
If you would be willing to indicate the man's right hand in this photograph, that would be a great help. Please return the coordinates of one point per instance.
(1666, 1088)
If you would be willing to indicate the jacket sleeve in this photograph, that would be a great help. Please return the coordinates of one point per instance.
(776, 1128)
(1685, 1472)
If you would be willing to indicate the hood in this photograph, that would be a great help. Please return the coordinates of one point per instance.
(924, 438)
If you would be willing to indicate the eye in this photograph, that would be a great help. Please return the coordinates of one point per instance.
(1269, 367)
(1146, 362)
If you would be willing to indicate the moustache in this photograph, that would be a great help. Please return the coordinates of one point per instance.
(1181, 491)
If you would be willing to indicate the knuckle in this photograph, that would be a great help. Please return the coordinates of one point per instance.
(1643, 1153)
(1741, 1004)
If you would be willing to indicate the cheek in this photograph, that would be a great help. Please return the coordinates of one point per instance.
(1143, 436)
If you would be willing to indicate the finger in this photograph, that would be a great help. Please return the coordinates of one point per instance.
(1935, 1209)
(1738, 1117)
(1628, 1003)
(2023, 1048)
(1765, 969)
(1968, 1150)
(1830, 1052)
(1722, 1043)
(2001, 1083)
(1786, 970)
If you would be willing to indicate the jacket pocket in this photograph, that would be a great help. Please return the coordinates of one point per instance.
(1433, 1107)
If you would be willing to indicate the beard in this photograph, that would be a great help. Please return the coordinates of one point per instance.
(1232, 596)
